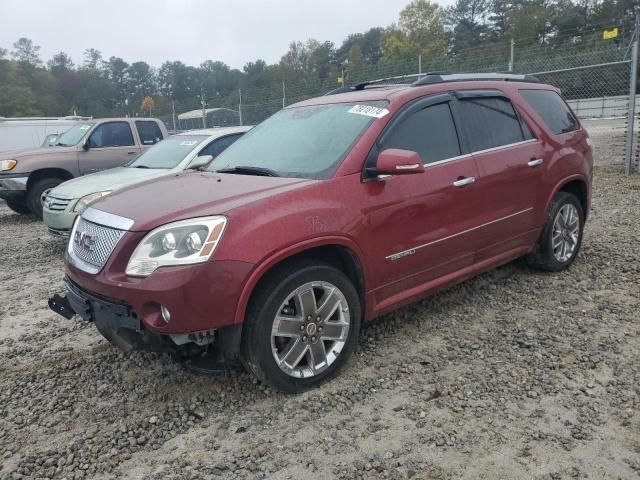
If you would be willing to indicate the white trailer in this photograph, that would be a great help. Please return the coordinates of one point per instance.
(20, 133)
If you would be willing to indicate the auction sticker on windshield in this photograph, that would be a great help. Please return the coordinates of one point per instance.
(369, 111)
(188, 143)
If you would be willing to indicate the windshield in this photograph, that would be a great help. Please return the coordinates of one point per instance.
(169, 152)
(305, 142)
(74, 134)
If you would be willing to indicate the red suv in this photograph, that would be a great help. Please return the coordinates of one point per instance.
(329, 213)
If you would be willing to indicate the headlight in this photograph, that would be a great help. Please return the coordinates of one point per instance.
(180, 243)
(6, 165)
(87, 199)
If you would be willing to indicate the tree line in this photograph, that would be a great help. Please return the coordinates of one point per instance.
(472, 33)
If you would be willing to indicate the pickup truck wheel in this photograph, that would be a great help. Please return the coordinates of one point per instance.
(18, 206)
(38, 192)
(302, 326)
(561, 236)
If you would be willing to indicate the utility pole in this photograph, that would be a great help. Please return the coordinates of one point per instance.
(511, 55)
(240, 106)
(419, 64)
(633, 78)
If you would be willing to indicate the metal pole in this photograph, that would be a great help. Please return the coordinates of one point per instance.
(173, 109)
(420, 64)
(284, 95)
(240, 106)
(204, 112)
(632, 99)
(342, 76)
(511, 55)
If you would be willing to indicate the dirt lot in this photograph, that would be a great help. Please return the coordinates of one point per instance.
(515, 374)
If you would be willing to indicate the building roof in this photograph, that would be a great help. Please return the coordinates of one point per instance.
(194, 114)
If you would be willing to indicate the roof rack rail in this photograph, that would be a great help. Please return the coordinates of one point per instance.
(432, 78)
(369, 83)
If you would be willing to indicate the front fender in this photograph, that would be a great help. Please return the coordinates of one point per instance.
(270, 261)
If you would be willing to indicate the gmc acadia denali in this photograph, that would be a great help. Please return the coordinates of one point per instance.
(329, 213)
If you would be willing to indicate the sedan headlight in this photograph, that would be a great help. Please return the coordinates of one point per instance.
(180, 243)
(6, 165)
(87, 199)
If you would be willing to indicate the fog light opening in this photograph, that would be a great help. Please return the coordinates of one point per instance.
(166, 315)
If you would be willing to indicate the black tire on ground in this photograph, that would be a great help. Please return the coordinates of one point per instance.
(35, 192)
(18, 206)
(543, 256)
(256, 348)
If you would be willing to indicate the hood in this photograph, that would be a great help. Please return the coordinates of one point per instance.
(112, 179)
(191, 194)
(35, 152)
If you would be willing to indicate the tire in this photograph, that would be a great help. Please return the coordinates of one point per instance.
(37, 191)
(18, 206)
(307, 285)
(555, 231)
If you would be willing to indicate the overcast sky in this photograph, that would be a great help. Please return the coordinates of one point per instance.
(191, 31)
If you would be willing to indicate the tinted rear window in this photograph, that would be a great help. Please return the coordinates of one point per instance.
(149, 132)
(490, 122)
(552, 109)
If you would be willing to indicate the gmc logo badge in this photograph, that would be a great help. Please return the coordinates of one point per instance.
(85, 241)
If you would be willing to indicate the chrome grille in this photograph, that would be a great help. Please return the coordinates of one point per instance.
(93, 243)
(57, 203)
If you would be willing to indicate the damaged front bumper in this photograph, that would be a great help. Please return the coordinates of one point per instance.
(120, 324)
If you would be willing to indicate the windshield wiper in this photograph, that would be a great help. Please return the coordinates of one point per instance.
(60, 144)
(247, 170)
(140, 166)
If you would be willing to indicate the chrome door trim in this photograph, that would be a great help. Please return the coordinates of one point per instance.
(107, 219)
(480, 152)
(502, 147)
(411, 251)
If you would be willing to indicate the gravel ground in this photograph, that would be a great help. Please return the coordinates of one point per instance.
(514, 374)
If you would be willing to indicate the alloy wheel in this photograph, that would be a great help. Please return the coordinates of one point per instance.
(566, 231)
(310, 329)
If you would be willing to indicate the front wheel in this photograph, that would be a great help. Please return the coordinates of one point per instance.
(38, 192)
(302, 326)
(18, 206)
(561, 236)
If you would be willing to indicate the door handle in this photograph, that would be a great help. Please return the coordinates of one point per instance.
(535, 162)
(131, 153)
(464, 181)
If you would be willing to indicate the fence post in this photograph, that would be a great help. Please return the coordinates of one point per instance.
(240, 106)
(284, 95)
(511, 53)
(633, 78)
(173, 110)
(420, 64)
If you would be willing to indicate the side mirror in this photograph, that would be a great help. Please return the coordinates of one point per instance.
(85, 145)
(199, 162)
(394, 161)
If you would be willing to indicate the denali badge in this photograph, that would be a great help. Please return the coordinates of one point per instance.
(85, 240)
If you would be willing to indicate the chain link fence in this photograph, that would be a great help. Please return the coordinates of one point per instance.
(594, 76)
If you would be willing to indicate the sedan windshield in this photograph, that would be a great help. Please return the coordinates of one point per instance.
(305, 142)
(74, 134)
(169, 152)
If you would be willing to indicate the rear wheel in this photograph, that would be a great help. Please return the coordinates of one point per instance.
(18, 206)
(301, 327)
(38, 192)
(561, 236)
